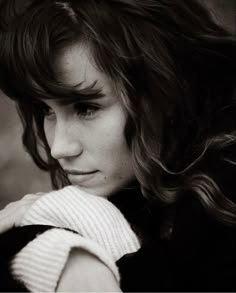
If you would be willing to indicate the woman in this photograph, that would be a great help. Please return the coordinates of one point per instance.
(134, 102)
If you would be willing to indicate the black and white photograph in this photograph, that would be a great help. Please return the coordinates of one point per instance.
(117, 146)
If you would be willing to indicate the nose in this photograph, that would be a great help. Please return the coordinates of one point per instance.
(66, 143)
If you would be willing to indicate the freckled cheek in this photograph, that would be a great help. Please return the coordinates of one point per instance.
(116, 156)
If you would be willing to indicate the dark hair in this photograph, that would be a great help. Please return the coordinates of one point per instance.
(171, 65)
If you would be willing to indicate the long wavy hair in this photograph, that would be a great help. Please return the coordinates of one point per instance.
(171, 66)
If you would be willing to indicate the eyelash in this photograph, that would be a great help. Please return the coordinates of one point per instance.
(86, 111)
(83, 110)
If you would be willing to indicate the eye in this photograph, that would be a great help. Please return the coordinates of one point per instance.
(48, 113)
(86, 111)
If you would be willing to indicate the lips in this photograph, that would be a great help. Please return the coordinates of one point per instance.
(76, 172)
(83, 178)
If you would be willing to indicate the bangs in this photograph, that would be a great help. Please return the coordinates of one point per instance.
(32, 42)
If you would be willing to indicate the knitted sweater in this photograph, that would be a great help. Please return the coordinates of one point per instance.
(94, 224)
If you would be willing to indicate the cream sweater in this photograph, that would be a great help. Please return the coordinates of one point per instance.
(100, 229)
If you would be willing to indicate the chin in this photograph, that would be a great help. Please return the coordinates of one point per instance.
(102, 191)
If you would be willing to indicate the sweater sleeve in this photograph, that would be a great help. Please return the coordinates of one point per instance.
(40, 263)
(93, 217)
(100, 228)
(11, 242)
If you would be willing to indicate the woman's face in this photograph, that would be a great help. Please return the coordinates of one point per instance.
(88, 140)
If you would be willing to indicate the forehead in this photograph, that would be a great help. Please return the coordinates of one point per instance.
(75, 65)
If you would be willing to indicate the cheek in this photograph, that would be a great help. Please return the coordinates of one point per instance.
(114, 152)
(122, 159)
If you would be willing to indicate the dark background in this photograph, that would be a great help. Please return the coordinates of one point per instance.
(18, 175)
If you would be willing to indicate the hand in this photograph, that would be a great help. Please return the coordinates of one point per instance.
(84, 272)
(12, 214)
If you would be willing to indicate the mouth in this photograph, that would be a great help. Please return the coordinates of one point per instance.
(81, 178)
(75, 172)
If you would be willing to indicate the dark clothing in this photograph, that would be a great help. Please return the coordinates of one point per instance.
(199, 256)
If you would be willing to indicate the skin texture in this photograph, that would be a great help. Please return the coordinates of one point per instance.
(90, 138)
(86, 273)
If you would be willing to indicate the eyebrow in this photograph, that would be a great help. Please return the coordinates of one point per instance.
(81, 94)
